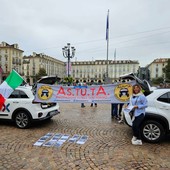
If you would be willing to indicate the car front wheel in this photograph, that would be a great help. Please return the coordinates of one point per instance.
(22, 120)
(152, 131)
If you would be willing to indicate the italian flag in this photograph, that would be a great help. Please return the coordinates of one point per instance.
(8, 86)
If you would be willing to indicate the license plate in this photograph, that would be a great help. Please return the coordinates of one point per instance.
(53, 113)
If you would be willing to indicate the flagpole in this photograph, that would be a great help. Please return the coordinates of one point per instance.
(107, 38)
(115, 62)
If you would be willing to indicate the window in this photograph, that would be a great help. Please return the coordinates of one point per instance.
(164, 98)
(6, 58)
(15, 94)
(22, 94)
(18, 94)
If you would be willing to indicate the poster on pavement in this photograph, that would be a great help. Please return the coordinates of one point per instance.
(110, 93)
(74, 138)
(57, 140)
(82, 140)
(43, 139)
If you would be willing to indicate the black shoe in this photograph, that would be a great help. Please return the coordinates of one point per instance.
(118, 118)
(83, 106)
(115, 117)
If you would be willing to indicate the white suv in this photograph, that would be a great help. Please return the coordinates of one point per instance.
(156, 123)
(20, 108)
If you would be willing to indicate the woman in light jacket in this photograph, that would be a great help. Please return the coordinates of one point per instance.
(139, 101)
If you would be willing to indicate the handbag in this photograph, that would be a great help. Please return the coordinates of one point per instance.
(131, 113)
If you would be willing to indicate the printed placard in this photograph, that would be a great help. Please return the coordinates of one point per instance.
(43, 139)
(74, 138)
(82, 139)
(50, 143)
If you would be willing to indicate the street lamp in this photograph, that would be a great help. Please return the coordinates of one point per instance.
(68, 52)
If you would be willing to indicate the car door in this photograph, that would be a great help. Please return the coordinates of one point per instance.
(163, 105)
(16, 100)
(9, 105)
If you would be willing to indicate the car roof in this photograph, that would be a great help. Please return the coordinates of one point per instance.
(158, 92)
(48, 80)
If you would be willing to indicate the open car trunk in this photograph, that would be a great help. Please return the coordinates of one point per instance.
(143, 83)
(46, 80)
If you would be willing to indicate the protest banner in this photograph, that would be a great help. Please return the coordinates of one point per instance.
(110, 93)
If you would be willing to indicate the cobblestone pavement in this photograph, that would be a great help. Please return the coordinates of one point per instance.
(108, 147)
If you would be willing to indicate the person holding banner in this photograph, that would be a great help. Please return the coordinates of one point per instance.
(139, 103)
(92, 82)
(114, 111)
(83, 84)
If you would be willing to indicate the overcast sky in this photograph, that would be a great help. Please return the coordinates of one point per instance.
(138, 29)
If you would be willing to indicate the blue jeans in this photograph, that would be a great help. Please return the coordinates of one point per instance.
(82, 105)
(120, 108)
(114, 109)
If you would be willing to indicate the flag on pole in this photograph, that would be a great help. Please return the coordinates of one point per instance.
(9, 85)
(107, 26)
(115, 55)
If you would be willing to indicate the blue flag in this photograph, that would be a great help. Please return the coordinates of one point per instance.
(107, 26)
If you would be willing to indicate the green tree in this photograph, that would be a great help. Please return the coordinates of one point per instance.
(69, 80)
(41, 73)
(166, 70)
(157, 81)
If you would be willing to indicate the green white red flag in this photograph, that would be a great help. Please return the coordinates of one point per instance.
(9, 85)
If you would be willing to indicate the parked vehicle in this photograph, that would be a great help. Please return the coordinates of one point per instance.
(21, 109)
(156, 124)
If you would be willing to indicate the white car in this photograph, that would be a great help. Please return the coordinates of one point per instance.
(156, 123)
(21, 108)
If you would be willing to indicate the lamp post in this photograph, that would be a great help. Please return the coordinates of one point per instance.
(68, 52)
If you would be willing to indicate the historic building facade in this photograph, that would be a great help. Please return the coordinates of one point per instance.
(11, 57)
(97, 70)
(156, 67)
(33, 63)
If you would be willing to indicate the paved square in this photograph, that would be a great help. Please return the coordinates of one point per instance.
(108, 146)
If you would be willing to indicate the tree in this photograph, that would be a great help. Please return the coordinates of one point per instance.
(166, 70)
(157, 81)
(69, 80)
(41, 73)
